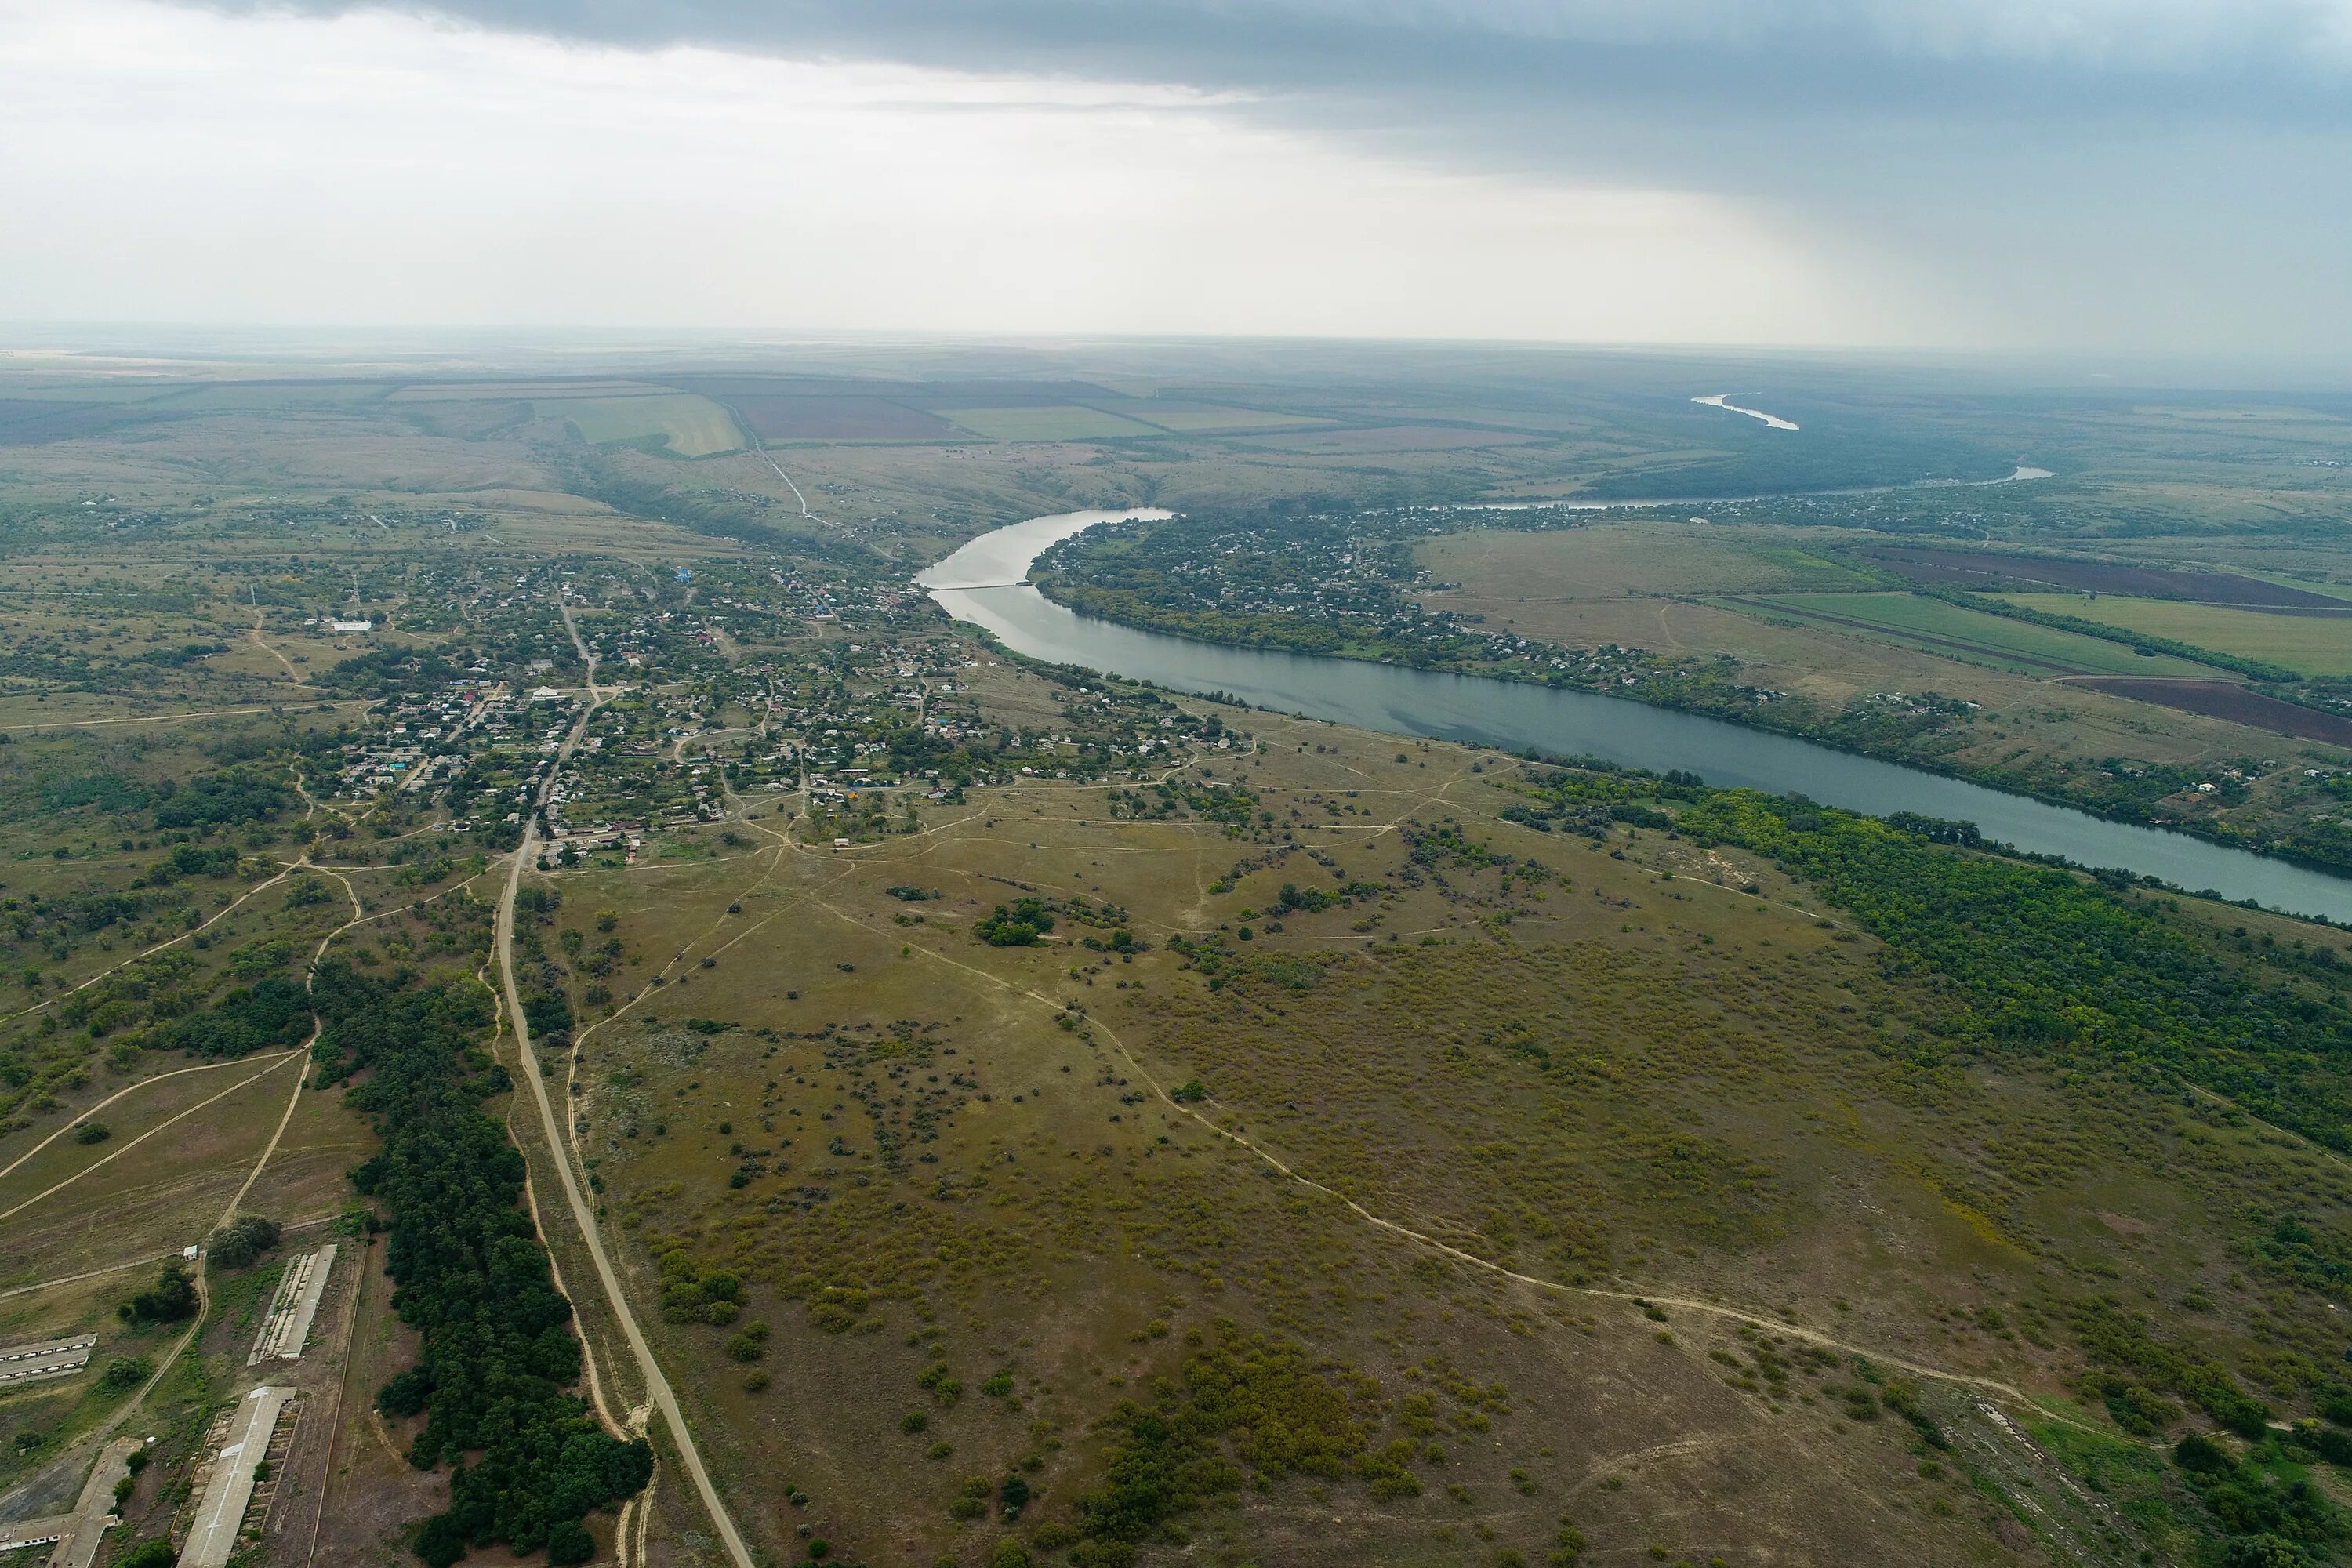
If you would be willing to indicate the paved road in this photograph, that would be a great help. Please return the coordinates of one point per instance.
(230, 1487)
(86, 1530)
(656, 1385)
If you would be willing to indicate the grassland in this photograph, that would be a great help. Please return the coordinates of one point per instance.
(968, 1157)
(1551, 1174)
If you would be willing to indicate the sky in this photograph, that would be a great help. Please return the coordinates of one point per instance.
(2145, 175)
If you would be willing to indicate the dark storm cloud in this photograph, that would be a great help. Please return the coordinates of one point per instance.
(1996, 61)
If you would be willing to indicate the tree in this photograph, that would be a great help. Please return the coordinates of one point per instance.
(243, 1240)
(124, 1372)
(569, 1542)
(173, 1300)
(499, 1352)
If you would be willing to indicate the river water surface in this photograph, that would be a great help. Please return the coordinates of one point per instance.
(982, 583)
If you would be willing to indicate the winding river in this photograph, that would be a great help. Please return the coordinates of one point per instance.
(984, 584)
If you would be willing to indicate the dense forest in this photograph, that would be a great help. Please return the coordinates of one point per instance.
(527, 1458)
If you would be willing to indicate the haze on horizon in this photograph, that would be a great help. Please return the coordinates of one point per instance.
(2076, 175)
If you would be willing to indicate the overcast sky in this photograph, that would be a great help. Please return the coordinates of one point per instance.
(2167, 175)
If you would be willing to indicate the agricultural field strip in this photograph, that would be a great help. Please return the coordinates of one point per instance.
(1928, 640)
(2317, 644)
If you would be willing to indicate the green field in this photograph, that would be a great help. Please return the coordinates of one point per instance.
(2315, 644)
(1615, 561)
(1206, 420)
(1056, 422)
(1947, 629)
(691, 427)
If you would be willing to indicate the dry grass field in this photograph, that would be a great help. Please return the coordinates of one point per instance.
(1396, 1181)
(965, 1168)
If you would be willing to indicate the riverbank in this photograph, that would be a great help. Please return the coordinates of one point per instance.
(1874, 774)
(1919, 733)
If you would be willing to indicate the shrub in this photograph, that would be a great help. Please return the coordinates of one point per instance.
(123, 1373)
(158, 1552)
(91, 1133)
(2199, 1454)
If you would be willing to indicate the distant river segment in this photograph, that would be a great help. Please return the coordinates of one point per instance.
(1771, 421)
(984, 584)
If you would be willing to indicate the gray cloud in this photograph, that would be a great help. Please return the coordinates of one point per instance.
(2079, 166)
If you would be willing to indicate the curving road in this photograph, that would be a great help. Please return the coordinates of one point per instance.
(582, 1214)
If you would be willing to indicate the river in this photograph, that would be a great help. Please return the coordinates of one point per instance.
(1723, 400)
(982, 583)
